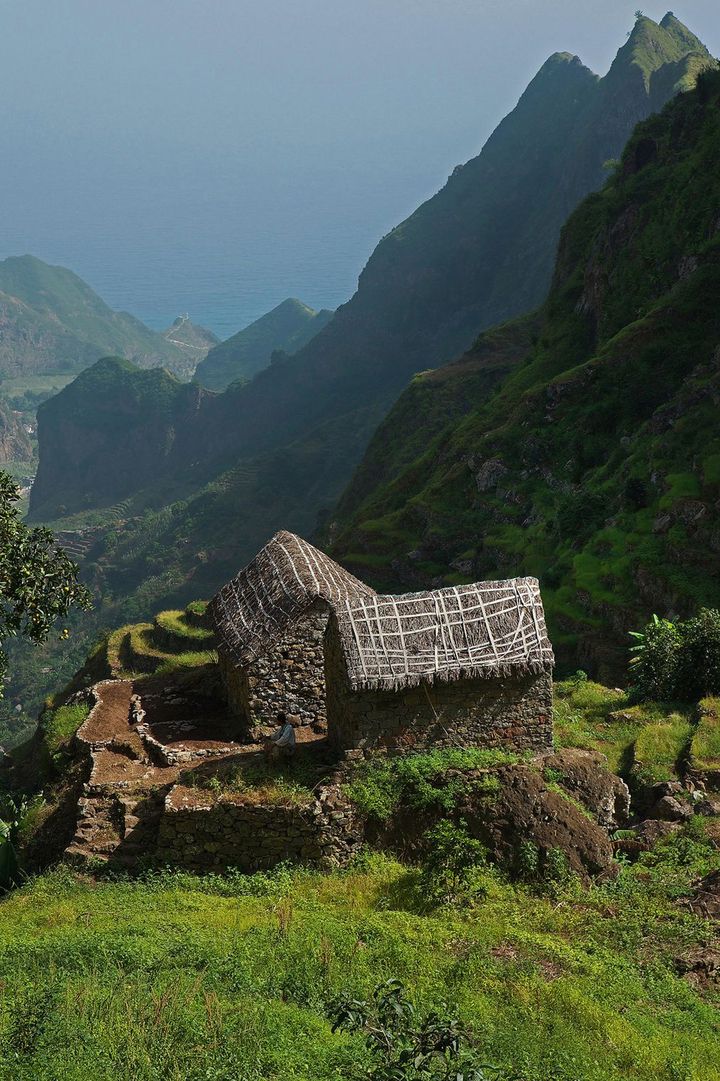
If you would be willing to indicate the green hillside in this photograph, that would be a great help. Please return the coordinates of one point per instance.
(278, 451)
(596, 463)
(235, 978)
(308, 417)
(54, 322)
(287, 327)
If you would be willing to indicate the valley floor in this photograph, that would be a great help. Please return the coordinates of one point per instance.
(185, 978)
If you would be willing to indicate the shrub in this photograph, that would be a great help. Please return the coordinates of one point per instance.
(451, 855)
(698, 672)
(654, 659)
(11, 814)
(406, 1047)
(677, 660)
(379, 786)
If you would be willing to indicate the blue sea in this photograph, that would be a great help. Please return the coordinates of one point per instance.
(222, 246)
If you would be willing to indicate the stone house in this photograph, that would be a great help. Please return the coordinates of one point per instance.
(468, 665)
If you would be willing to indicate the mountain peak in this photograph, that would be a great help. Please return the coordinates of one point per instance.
(680, 32)
(650, 46)
(559, 71)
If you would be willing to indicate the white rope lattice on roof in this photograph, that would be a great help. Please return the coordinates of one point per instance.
(284, 580)
(487, 629)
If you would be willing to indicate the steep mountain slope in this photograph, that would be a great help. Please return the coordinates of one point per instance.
(15, 445)
(429, 282)
(481, 251)
(50, 320)
(287, 327)
(278, 451)
(195, 341)
(596, 463)
(140, 414)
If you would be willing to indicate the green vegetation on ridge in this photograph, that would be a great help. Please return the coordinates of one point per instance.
(593, 464)
(287, 327)
(53, 321)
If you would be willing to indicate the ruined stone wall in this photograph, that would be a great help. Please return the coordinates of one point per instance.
(290, 678)
(506, 713)
(255, 837)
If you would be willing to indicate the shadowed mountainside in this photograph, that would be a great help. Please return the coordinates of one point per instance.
(596, 463)
(287, 328)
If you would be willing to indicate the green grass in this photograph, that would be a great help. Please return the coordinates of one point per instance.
(263, 782)
(188, 979)
(176, 626)
(592, 717)
(59, 725)
(705, 746)
(660, 747)
(380, 786)
(642, 742)
(145, 656)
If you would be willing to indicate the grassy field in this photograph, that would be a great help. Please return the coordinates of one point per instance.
(209, 979)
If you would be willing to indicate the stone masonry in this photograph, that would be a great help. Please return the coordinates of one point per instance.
(289, 678)
(514, 713)
(232, 831)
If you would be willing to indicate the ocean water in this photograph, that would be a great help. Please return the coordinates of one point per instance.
(222, 246)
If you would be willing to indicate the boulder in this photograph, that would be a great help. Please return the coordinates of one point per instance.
(670, 809)
(584, 774)
(522, 809)
(653, 830)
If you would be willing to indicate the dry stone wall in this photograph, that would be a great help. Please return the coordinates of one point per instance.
(290, 678)
(232, 832)
(513, 713)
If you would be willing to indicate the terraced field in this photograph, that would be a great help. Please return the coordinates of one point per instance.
(174, 640)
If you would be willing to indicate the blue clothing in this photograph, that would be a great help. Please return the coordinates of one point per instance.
(284, 736)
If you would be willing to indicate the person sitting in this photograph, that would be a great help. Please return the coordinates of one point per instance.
(281, 744)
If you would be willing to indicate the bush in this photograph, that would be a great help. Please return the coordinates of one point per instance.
(654, 659)
(450, 857)
(698, 671)
(677, 661)
(406, 1047)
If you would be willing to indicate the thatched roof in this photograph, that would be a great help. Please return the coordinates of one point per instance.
(484, 630)
(285, 579)
(487, 629)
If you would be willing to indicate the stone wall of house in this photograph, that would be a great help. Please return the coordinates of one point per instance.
(290, 678)
(513, 713)
(230, 832)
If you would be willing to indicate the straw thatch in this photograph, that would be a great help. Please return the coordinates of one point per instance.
(488, 629)
(285, 579)
(484, 630)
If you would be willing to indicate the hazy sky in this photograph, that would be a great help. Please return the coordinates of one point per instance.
(231, 153)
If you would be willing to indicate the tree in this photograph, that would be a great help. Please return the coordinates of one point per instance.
(38, 581)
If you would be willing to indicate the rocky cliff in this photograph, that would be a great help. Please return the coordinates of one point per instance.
(15, 445)
(595, 464)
